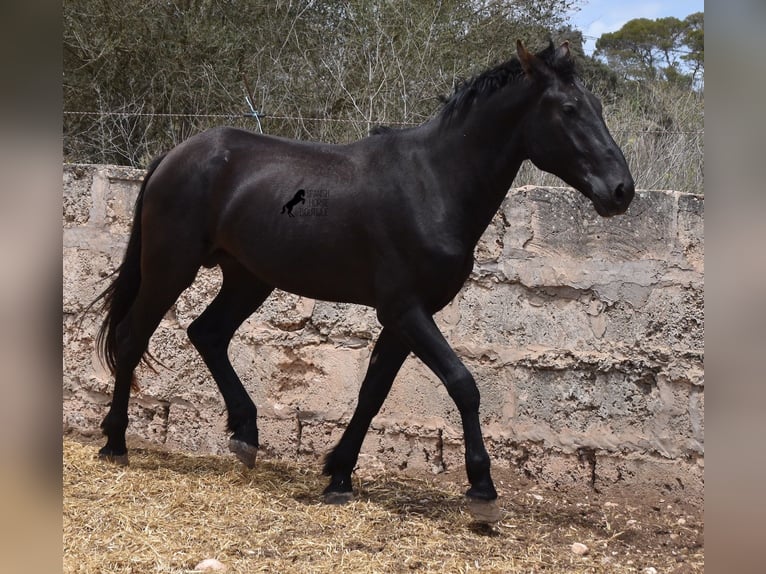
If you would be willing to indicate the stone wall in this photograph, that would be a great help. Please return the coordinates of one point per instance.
(585, 336)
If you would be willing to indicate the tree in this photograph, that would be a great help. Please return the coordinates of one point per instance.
(661, 49)
(694, 40)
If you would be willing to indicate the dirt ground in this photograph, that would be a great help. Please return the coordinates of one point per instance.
(168, 511)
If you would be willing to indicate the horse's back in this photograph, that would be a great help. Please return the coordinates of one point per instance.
(232, 188)
(227, 189)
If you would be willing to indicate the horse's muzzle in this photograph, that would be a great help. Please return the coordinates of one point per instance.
(616, 201)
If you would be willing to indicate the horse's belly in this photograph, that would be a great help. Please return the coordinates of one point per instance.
(311, 266)
(325, 282)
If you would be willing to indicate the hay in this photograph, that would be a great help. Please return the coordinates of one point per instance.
(166, 512)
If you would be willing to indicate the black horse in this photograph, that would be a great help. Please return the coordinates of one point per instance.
(406, 209)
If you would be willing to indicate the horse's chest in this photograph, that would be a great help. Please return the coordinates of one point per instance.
(442, 273)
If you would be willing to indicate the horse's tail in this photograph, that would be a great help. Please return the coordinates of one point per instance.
(119, 296)
(284, 207)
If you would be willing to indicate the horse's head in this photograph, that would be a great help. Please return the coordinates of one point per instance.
(565, 133)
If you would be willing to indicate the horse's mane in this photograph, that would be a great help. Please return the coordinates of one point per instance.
(491, 80)
(488, 82)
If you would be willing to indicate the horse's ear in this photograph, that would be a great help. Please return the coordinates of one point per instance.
(563, 51)
(533, 67)
(527, 60)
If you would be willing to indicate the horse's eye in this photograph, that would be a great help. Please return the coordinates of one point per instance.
(569, 109)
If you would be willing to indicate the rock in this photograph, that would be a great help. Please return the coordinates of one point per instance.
(649, 570)
(580, 549)
(210, 564)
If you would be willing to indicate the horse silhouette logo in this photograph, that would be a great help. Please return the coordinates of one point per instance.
(299, 197)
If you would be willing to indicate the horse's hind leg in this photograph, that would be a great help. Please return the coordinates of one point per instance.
(155, 296)
(240, 295)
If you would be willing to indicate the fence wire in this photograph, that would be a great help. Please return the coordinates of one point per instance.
(659, 158)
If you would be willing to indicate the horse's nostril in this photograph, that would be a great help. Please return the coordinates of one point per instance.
(619, 193)
(623, 195)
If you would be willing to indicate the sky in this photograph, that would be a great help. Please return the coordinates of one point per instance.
(599, 16)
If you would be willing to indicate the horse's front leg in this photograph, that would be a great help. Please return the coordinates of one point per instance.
(386, 360)
(416, 328)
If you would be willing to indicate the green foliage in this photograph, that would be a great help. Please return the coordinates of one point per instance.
(664, 48)
(694, 40)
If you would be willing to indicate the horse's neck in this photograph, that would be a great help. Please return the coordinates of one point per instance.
(479, 156)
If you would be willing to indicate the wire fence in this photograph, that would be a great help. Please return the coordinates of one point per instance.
(659, 158)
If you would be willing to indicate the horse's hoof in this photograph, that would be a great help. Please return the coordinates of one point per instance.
(483, 511)
(337, 498)
(118, 459)
(245, 452)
